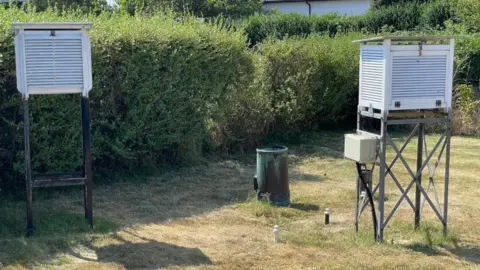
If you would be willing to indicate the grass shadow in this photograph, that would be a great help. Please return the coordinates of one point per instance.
(175, 194)
(467, 253)
(436, 244)
(59, 219)
(55, 238)
(425, 249)
(144, 253)
(56, 230)
(300, 176)
(160, 255)
(49, 221)
(305, 207)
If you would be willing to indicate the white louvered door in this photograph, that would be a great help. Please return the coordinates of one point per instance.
(419, 80)
(55, 62)
(372, 76)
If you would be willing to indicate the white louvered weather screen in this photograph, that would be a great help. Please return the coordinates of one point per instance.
(53, 58)
(405, 73)
(371, 83)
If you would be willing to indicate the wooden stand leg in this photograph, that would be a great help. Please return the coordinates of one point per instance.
(28, 168)
(87, 156)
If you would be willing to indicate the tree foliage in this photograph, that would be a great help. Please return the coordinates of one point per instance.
(85, 5)
(469, 13)
(201, 8)
(383, 3)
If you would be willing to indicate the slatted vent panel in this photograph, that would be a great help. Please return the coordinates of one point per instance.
(416, 77)
(54, 62)
(371, 86)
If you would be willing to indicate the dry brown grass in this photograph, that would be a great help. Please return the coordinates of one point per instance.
(205, 218)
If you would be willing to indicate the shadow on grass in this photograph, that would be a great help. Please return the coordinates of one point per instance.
(141, 254)
(177, 194)
(60, 224)
(49, 222)
(55, 232)
(436, 244)
(295, 175)
(468, 253)
(159, 255)
(147, 254)
(425, 249)
(305, 207)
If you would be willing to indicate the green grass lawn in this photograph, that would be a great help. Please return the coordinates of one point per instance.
(206, 217)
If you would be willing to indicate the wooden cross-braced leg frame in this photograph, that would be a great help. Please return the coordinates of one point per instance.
(441, 148)
(59, 179)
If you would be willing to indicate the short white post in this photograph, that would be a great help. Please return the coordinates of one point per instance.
(276, 234)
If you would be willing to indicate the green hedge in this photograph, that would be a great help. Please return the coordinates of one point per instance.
(259, 27)
(468, 59)
(168, 92)
(468, 12)
(203, 8)
(438, 13)
(398, 17)
(311, 82)
(384, 3)
(157, 85)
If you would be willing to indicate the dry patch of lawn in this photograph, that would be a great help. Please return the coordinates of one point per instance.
(207, 218)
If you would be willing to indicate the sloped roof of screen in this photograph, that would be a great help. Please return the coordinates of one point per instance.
(52, 25)
(405, 38)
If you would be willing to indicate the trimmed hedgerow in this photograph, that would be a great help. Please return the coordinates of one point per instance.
(259, 27)
(438, 13)
(204, 8)
(310, 82)
(169, 91)
(396, 17)
(384, 3)
(468, 12)
(399, 17)
(157, 83)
